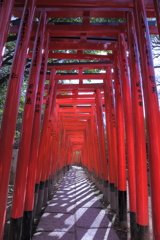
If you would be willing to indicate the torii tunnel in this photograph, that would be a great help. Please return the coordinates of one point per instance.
(97, 124)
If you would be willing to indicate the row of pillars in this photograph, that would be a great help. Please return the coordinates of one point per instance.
(124, 122)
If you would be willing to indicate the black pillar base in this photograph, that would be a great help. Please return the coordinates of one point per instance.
(27, 225)
(45, 197)
(133, 226)
(35, 199)
(50, 187)
(102, 185)
(113, 197)
(15, 232)
(142, 232)
(40, 198)
(122, 207)
(106, 191)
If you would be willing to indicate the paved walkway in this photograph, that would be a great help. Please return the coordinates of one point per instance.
(75, 213)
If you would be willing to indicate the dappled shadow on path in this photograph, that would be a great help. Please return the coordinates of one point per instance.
(75, 213)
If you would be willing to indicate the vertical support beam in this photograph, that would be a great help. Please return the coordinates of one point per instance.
(52, 167)
(157, 10)
(94, 147)
(50, 157)
(11, 105)
(127, 103)
(109, 136)
(139, 132)
(54, 142)
(59, 135)
(26, 134)
(122, 193)
(113, 188)
(46, 159)
(39, 186)
(99, 160)
(110, 143)
(101, 134)
(151, 110)
(86, 150)
(5, 17)
(50, 181)
(29, 198)
(64, 149)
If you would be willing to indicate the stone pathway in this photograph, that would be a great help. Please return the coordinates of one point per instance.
(75, 213)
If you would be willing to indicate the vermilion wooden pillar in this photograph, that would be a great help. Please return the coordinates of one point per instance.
(98, 159)
(151, 110)
(5, 17)
(47, 159)
(101, 135)
(109, 136)
(112, 116)
(85, 154)
(46, 163)
(92, 169)
(11, 106)
(98, 156)
(54, 142)
(88, 137)
(139, 130)
(49, 173)
(110, 143)
(94, 149)
(39, 186)
(128, 114)
(121, 158)
(67, 155)
(63, 150)
(29, 198)
(90, 152)
(87, 151)
(58, 132)
(26, 134)
(58, 140)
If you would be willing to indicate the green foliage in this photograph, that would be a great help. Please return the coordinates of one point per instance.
(102, 20)
(71, 20)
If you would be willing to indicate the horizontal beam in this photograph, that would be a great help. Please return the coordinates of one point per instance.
(76, 101)
(78, 96)
(78, 109)
(83, 46)
(77, 56)
(77, 30)
(74, 12)
(76, 66)
(75, 123)
(80, 76)
(75, 114)
(75, 118)
(83, 87)
(82, 5)
(71, 43)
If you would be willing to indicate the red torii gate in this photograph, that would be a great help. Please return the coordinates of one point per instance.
(73, 126)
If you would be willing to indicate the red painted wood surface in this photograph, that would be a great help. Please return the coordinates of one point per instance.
(73, 129)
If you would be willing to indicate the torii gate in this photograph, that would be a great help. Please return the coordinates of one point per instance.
(73, 127)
